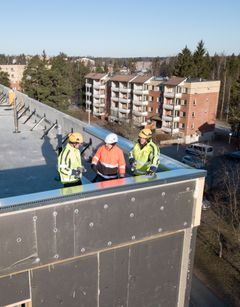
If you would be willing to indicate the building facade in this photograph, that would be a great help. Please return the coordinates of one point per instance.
(15, 73)
(181, 107)
(97, 97)
(189, 108)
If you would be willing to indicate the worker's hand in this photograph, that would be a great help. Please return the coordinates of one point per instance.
(94, 167)
(133, 165)
(76, 173)
(82, 169)
(150, 173)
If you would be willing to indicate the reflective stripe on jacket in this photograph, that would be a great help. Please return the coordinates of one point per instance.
(109, 162)
(145, 157)
(68, 160)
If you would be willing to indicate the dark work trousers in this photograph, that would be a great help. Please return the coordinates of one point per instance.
(99, 178)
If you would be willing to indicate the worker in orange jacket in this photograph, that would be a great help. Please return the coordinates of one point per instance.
(109, 162)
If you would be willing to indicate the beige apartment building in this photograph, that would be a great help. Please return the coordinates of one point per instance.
(189, 108)
(15, 73)
(97, 97)
(121, 98)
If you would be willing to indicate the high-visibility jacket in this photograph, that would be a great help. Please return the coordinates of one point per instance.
(68, 160)
(109, 162)
(11, 97)
(145, 157)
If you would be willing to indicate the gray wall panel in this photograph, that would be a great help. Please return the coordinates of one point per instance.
(14, 289)
(17, 241)
(69, 284)
(113, 270)
(154, 272)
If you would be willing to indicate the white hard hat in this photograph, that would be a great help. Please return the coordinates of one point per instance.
(111, 138)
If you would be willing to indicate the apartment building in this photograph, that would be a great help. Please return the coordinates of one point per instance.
(155, 100)
(15, 73)
(97, 96)
(121, 98)
(189, 108)
(140, 99)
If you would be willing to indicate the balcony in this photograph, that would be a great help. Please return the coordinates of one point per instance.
(169, 118)
(89, 102)
(115, 89)
(99, 104)
(172, 95)
(167, 106)
(98, 113)
(138, 91)
(140, 103)
(99, 95)
(115, 98)
(114, 109)
(99, 86)
(140, 113)
(169, 130)
(169, 94)
(88, 84)
(123, 110)
(124, 100)
(124, 90)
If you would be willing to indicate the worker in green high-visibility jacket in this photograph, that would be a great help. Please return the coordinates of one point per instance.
(144, 158)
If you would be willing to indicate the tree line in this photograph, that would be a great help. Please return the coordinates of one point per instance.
(59, 81)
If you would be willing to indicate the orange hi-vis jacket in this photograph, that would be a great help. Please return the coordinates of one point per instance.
(109, 162)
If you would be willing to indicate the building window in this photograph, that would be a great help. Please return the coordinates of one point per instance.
(192, 125)
(193, 114)
(184, 90)
(150, 109)
(150, 98)
(194, 102)
(183, 102)
(181, 125)
(182, 114)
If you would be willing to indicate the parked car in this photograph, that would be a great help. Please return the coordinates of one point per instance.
(234, 155)
(206, 204)
(193, 161)
(200, 150)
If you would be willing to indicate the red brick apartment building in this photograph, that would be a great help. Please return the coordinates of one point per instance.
(15, 73)
(189, 108)
(183, 107)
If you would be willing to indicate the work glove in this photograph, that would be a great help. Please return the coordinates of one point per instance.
(133, 164)
(94, 167)
(76, 173)
(149, 173)
(82, 169)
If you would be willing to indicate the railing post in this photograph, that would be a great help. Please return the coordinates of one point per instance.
(15, 116)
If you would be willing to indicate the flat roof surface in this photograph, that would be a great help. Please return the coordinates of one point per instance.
(28, 164)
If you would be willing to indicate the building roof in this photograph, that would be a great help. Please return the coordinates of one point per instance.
(155, 82)
(95, 76)
(141, 79)
(123, 78)
(174, 81)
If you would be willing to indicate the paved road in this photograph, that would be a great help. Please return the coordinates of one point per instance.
(201, 296)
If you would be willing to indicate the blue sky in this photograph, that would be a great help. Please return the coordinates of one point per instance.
(126, 28)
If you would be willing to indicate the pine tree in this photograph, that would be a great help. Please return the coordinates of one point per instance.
(4, 78)
(184, 66)
(201, 61)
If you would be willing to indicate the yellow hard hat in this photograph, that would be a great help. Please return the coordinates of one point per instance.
(145, 133)
(75, 137)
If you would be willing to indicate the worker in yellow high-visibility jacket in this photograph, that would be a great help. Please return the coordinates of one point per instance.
(144, 158)
(11, 97)
(69, 161)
